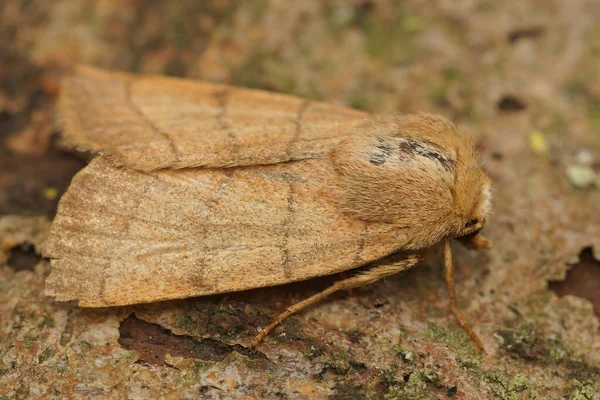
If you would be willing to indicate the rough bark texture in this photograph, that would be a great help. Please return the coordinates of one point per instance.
(521, 78)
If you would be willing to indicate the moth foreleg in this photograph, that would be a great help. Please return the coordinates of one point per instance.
(365, 278)
(449, 264)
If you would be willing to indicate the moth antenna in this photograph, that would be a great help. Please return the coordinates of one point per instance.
(449, 265)
(365, 278)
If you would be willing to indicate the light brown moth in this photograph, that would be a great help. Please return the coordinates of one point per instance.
(201, 188)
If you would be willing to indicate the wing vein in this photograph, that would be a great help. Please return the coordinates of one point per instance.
(130, 103)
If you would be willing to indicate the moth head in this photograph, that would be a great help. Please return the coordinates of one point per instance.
(474, 205)
(419, 172)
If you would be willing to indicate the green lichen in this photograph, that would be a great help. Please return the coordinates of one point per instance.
(533, 396)
(202, 365)
(532, 347)
(430, 376)
(29, 341)
(412, 382)
(505, 388)
(388, 378)
(183, 322)
(520, 343)
(227, 320)
(457, 339)
(82, 348)
(47, 321)
(523, 341)
(313, 349)
(581, 390)
(407, 355)
(556, 351)
(46, 354)
(338, 362)
(520, 382)
(338, 368)
(415, 388)
(582, 370)
(349, 391)
(60, 369)
(22, 392)
(195, 372)
(294, 332)
(433, 311)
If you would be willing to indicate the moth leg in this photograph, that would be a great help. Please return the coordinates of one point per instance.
(365, 278)
(344, 275)
(449, 264)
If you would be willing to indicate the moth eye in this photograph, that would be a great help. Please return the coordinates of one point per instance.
(471, 223)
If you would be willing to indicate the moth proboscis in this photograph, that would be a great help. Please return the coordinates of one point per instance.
(199, 188)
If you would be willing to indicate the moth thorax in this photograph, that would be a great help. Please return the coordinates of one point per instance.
(395, 180)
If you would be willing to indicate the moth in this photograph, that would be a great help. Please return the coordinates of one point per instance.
(200, 188)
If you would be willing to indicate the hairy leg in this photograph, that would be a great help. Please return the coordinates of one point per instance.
(364, 278)
(449, 264)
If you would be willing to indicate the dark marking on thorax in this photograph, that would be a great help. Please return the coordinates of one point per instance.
(400, 149)
(381, 153)
(416, 147)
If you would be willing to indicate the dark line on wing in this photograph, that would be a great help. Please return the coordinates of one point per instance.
(285, 259)
(157, 130)
(291, 192)
(222, 97)
(298, 129)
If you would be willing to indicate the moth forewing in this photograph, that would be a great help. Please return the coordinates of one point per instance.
(123, 236)
(151, 122)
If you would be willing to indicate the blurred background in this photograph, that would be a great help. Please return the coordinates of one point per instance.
(522, 77)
